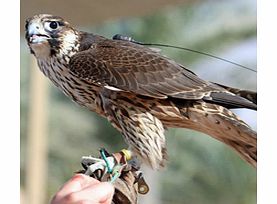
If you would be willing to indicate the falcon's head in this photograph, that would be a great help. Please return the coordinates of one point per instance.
(49, 35)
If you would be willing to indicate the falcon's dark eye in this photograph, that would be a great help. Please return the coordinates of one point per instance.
(53, 25)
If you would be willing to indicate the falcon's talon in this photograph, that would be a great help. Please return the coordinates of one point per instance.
(107, 164)
(93, 164)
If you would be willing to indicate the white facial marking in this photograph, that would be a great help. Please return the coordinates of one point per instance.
(69, 40)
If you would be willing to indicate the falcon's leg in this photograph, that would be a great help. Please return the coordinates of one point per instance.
(143, 132)
(128, 180)
(107, 165)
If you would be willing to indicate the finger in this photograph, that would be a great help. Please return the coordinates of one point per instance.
(98, 193)
(76, 183)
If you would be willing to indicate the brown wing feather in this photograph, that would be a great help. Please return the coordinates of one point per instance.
(140, 70)
(247, 94)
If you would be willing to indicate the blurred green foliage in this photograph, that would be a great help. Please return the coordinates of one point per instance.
(200, 169)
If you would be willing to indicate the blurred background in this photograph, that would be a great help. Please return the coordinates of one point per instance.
(55, 132)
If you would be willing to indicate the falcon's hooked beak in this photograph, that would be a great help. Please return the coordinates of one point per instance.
(36, 34)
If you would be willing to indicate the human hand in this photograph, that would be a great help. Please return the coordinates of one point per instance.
(82, 189)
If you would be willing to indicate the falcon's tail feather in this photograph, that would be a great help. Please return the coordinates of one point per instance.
(230, 101)
(249, 95)
(225, 126)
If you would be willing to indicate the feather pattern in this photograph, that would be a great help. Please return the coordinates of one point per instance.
(140, 70)
(140, 91)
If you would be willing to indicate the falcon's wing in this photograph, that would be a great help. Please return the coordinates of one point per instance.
(249, 95)
(138, 69)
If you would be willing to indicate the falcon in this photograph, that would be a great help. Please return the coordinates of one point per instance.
(140, 91)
